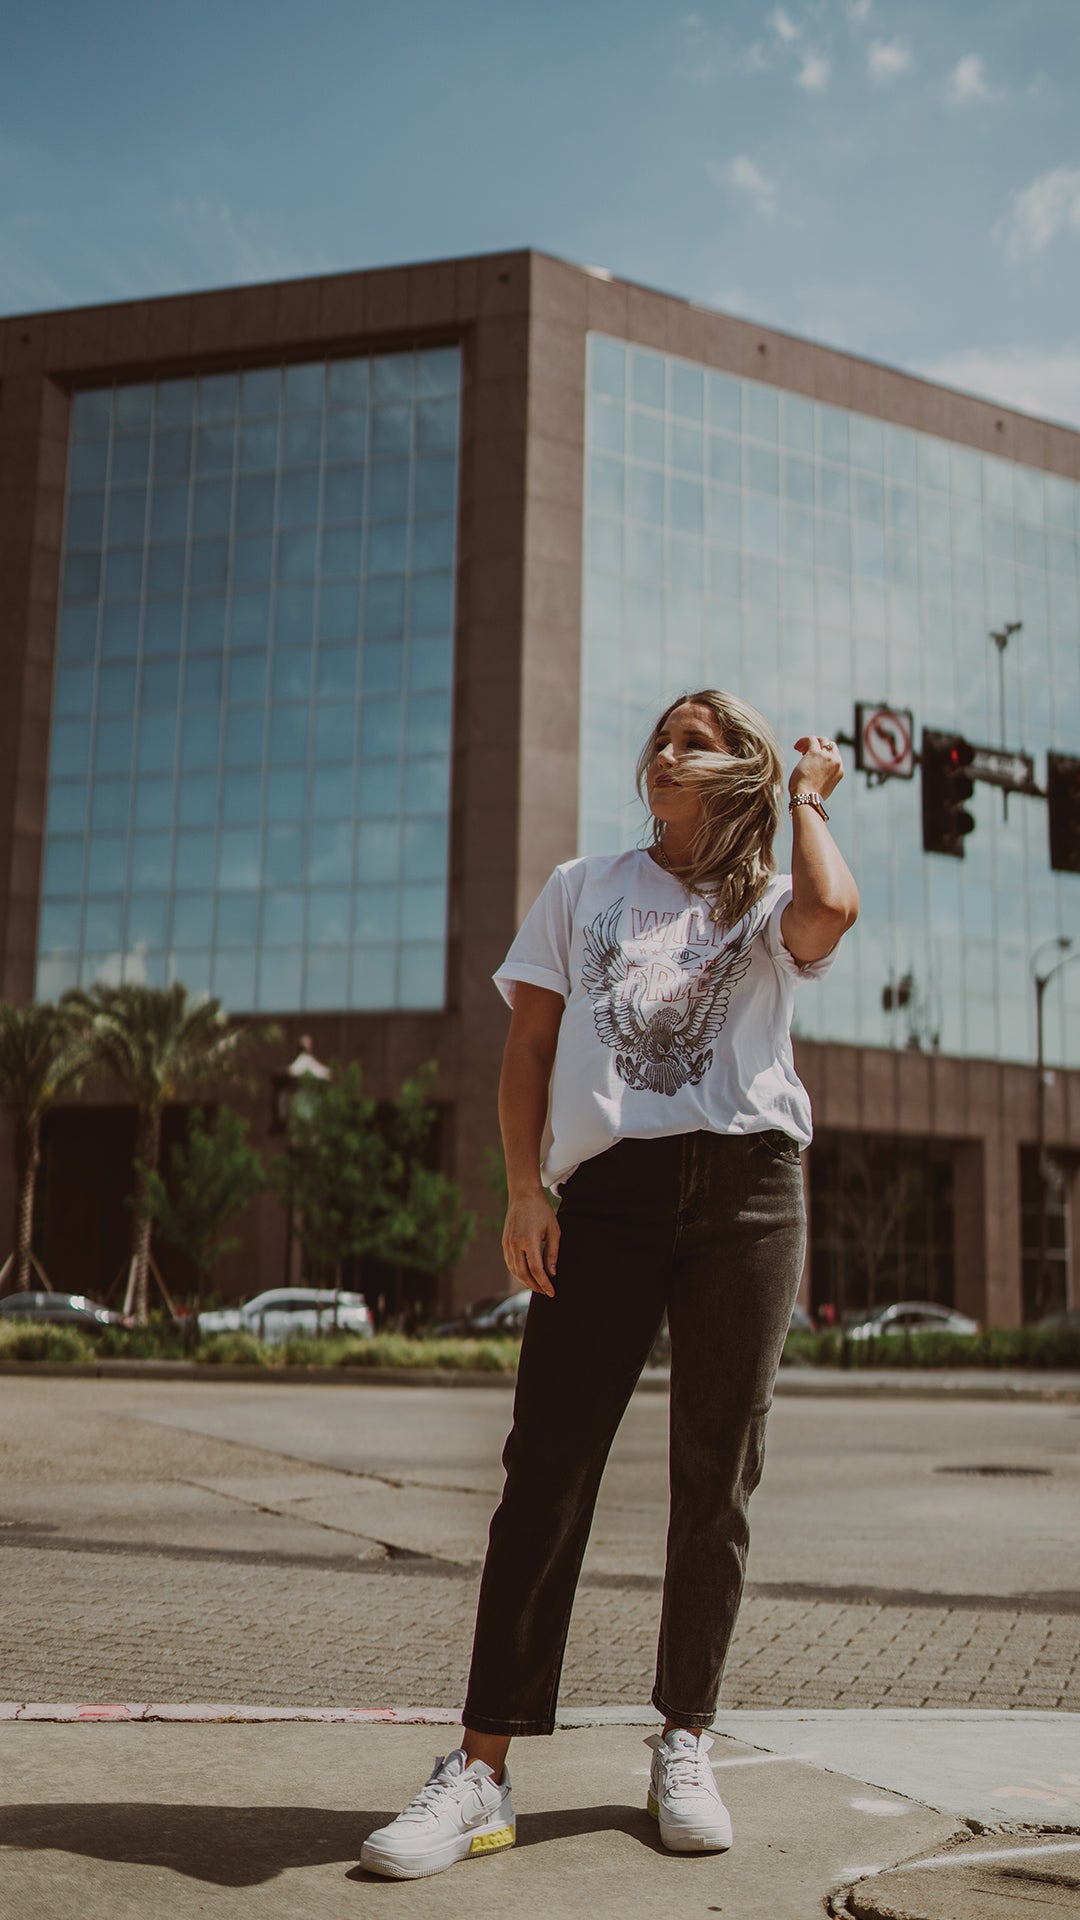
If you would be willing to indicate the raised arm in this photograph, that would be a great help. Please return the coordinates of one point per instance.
(530, 1238)
(824, 897)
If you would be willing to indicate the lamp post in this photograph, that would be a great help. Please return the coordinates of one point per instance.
(1062, 942)
(286, 1087)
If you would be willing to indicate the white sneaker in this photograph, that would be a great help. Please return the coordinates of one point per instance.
(683, 1794)
(462, 1810)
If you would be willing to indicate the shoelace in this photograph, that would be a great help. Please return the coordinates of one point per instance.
(433, 1790)
(687, 1773)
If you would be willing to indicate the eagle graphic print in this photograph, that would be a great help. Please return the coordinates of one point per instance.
(661, 992)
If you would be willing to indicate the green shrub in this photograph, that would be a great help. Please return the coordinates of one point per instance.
(233, 1350)
(27, 1342)
(999, 1347)
(400, 1350)
(160, 1339)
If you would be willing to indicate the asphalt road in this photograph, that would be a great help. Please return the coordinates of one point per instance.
(320, 1546)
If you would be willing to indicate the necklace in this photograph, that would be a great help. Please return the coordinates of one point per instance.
(714, 912)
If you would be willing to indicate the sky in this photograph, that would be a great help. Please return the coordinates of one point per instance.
(898, 180)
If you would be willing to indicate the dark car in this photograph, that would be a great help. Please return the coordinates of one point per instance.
(501, 1315)
(60, 1310)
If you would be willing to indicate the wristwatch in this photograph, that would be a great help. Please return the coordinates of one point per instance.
(808, 800)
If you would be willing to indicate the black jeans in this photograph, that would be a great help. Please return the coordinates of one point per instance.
(711, 1229)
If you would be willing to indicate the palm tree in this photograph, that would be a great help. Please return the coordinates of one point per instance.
(43, 1055)
(161, 1044)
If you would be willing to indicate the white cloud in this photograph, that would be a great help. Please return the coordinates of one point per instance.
(968, 81)
(1047, 384)
(888, 59)
(783, 25)
(755, 57)
(1038, 213)
(746, 177)
(813, 75)
(858, 11)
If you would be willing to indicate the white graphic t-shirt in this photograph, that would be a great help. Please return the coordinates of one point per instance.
(672, 1025)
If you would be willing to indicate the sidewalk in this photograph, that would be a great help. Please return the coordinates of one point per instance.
(179, 1812)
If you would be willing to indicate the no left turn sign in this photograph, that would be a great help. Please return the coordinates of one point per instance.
(885, 741)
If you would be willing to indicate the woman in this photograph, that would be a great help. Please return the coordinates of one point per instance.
(652, 995)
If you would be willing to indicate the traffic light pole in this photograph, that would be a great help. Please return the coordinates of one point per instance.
(1042, 981)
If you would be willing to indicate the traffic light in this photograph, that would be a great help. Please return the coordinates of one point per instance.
(946, 785)
(1063, 808)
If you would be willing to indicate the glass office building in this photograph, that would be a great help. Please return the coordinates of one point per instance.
(249, 768)
(807, 557)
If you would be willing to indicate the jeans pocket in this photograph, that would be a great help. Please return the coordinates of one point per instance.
(779, 1145)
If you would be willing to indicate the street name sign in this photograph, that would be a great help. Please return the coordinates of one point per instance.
(998, 767)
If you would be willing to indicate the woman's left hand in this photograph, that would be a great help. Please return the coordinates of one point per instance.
(820, 769)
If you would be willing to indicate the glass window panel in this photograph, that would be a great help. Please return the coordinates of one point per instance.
(112, 745)
(151, 859)
(74, 691)
(192, 919)
(305, 387)
(82, 576)
(326, 978)
(434, 486)
(254, 502)
(172, 456)
(202, 682)
(648, 377)
(797, 423)
(336, 670)
(607, 367)
(237, 919)
(646, 496)
(195, 860)
(71, 748)
(348, 381)
(375, 913)
(123, 573)
(199, 741)
(374, 973)
(245, 732)
(834, 493)
(156, 742)
(294, 615)
(438, 370)
(384, 605)
(762, 470)
(391, 428)
(834, 543)
(281, 982)
(59, 926)
(209, 565)
(381, 722)
(378, 844)
(250, 619)
(247, 677)
(427, 786)
(110, 805)
(147, 920)
(687, 389)
(284, 855)
(116, 689)
(159, 684)
(428, 724)
(762, 525)
(799, 480)
(213, 507)
(283, 917)
(104, 923)
(299, 502)
(154, 803)
(335, 733)
(393, 376)
(78, 632)
(343, 499)
(833, 436)
(423, 912)
(253, 562)
(91, 414)
(241, 798)
(165, 575)
(422, 976)
(760, 412)
(169, 513)
(288, 734)
(130, 460)
(292, 673)
(233, 977)
(106, 865)
(607, 427)
(606, 484)
(388, 495)
(346, 438)
(215, 449)
(239, 857)
(433, 593)
(869, 500)
(647, 438)
(339, 611)
(387, 547)
(424, 850)
(286, 794)
(260, 392)
(379, 790)
(218, 394)
(686, 503)
(431, 663)
(175, 403)
(63, 869)
(342, 549)
(85, 520)
(328, 918)
(686, 447)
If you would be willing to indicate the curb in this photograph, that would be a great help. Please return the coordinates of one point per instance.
(809, 1383)
(202, 1713)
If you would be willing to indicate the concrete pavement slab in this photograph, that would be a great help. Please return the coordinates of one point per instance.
(176, 1822)
(1038, 1879)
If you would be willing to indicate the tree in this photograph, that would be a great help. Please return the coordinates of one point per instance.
(213, 1176)
(43, 1055)
(160, 1044)
(355, 1177)
(873, 1198)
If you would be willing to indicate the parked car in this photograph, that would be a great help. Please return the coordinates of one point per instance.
(501, 1315)
(60, 1310)
(1064, 1317)
(800, 1321)
(284, 1312)
(913, 1316)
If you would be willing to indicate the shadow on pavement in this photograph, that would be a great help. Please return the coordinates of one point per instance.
(247, 1846)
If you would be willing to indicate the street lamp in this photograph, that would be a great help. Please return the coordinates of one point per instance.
(1062, 942)
(286, 1086)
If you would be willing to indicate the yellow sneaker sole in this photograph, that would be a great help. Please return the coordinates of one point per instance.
(492, 1842)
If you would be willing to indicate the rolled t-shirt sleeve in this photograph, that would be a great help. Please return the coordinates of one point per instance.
(540, 954)
(782, 956)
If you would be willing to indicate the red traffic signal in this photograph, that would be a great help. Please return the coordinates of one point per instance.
(946, 786)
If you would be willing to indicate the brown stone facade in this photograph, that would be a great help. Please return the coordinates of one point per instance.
(522, 320)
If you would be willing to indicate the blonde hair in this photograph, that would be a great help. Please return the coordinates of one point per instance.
(731, 855)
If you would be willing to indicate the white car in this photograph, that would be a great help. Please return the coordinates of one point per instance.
(913, 1316)
(284, 1312)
